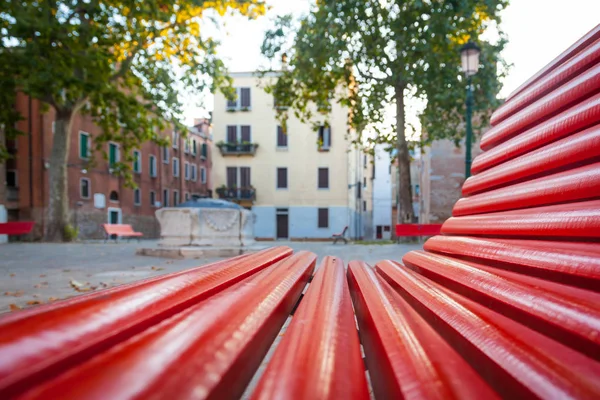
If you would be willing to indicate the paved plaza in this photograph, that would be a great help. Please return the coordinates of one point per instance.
(38, 273)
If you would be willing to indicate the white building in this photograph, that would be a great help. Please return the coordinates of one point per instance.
(382, 194)
(300, 184)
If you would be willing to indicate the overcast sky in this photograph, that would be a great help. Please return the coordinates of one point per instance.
(538, 30)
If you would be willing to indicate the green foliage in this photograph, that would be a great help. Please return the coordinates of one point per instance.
(374, 49)
(119, 61)
(71, 233)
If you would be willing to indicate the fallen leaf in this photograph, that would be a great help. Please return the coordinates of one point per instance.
(14, 307)
(12, 275)
(52, 298)
(80, 287)
(35, 296)
(157, 268)
(8, 293)
(66, 270)
(42, 275)
(34, 302)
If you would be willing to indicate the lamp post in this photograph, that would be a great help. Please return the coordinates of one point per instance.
(469, 57)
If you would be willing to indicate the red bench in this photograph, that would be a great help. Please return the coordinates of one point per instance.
(16, 227)
(120, 230)
(418, 230)
(504, 304)
(340, 236)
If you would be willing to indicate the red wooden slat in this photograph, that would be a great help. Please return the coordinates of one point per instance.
(576, 264)
(578, 148)
(405, 356)
(577, 184)
(16, 227)
(319, 356)
(571, 68)
(576, 47)
(46, 343)
(211, 350)
(518, 362)
(574, 91)
(582, 115)
(573, 220)
(418, 229)
(574, 321)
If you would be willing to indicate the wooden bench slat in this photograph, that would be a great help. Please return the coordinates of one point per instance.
(516, 361)
(418, 229)
(40, 344)
(210, 350)
(16, 227)
(320, 346)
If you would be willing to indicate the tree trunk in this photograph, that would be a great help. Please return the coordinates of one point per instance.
(58, 207)
(405, 212)
(2, 168)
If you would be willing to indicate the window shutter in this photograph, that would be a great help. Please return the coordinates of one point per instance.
(245, 97)
(231, 176)
(323, 218)
(281, 137)
(327, 137)
(231, 104)
(231, 134)
(245, 177)
(323, 178)
(282, 178)
(246, 134)
(204, 150)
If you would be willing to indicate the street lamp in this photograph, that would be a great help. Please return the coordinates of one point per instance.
(469, 57)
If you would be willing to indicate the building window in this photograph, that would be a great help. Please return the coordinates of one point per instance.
(186, 171)
(282, 182)
(165, 155)
(114, 156)
(194, 148)
(84, 145)
(153, 166)
(187, 196)
(386, 228)
(282, 138)
(244, 177)
(175, 138)
(204, 151)
(114, 196)
(245, 136)
(232, 104)
(245, 98)
(175, 166)
(323, 178)
(323, 217)
(11, 178)
(186, 146)
(84, 188)
(324, 139)
(175, 197)
(232, 134)
(364, 205)
(137, 197)
(152, 198)
(365, 161)
(194, 172)
(137, 162)
(202, 175)
(165, 197)
(365, 183)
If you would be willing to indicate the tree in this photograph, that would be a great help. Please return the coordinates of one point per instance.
(119, 61)
(383, 52)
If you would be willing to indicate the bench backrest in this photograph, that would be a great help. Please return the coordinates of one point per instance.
(118, 228)
(16, 227)
(418, 229)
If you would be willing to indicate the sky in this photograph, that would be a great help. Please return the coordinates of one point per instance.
(538, 31)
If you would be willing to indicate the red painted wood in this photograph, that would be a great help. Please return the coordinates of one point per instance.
(575, 48)
(573, 185)
(418, 229)
(574, 91)
(16, 227)
(577, 149)
(319, 356)
(573, 320)
(209, 351)
(120, 230)
(574, 220)
(582, 115)
(576, 264)
(516, 361)
(581, 61)
(405, 356)
(42, 344)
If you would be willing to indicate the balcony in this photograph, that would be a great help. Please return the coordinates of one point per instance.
(241, 196)
(237, 149)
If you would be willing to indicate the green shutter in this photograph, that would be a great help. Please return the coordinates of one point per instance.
(83, 146)
(112, 154)
(204, 150)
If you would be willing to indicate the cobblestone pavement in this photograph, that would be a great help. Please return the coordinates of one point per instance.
(36, 273)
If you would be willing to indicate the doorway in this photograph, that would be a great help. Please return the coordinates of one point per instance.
(283, 220)
(114, 215)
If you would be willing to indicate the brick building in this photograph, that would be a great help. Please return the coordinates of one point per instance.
(164, 176)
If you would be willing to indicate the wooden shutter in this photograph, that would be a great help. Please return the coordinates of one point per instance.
(246, 138)
(323, 218)
(323, 178)
(245, 97)
(281, 137)
(231, 177)
(245, 180)
(231, 134)
(282, 178)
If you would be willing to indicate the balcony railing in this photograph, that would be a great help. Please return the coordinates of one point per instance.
(237, 149)
(236, 194)
(12, 193)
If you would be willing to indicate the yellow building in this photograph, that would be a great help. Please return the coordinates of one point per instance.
(303, 184)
